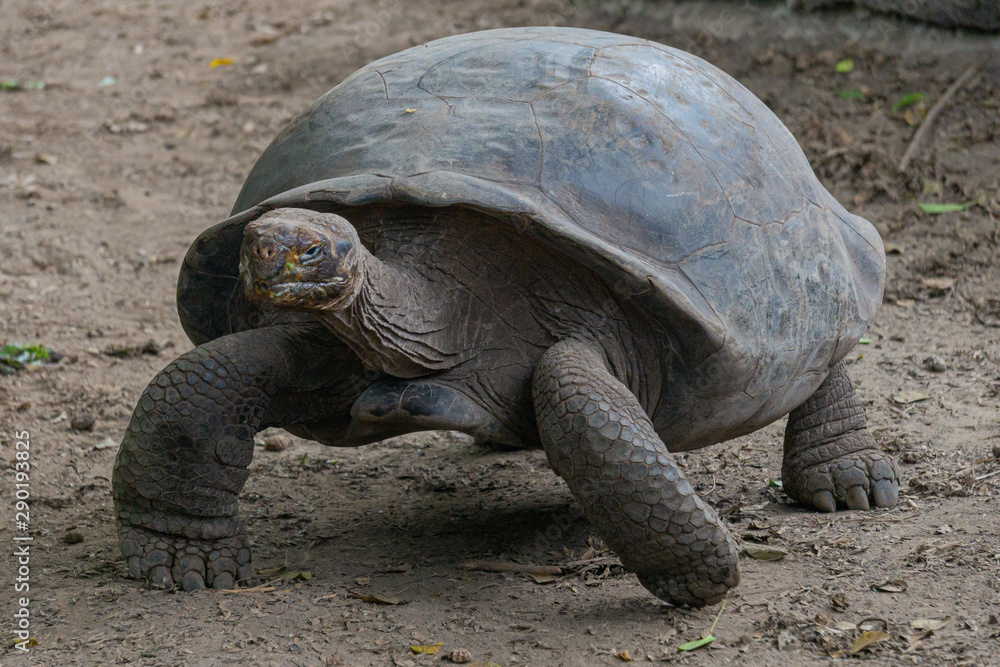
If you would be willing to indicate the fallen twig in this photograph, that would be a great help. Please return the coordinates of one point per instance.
(924, 128)
(263, 588)
(600, 560)
(987, 475)
(506, 566)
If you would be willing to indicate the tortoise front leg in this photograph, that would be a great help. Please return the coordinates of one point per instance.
(184, 457)
(600, 440)
(831, 457)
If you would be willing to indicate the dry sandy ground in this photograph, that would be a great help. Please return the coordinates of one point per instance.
(102, 187)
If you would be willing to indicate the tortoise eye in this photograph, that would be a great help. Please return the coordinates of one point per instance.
(311, 253)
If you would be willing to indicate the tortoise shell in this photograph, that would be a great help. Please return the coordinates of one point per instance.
(661, 173)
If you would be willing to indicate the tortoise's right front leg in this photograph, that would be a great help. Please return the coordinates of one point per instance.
(184, 458)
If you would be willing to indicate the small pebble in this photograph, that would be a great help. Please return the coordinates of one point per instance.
(82, 422)
(935, 364)
(460, 656)
(274, 440)
(839, 602)
(72, 537)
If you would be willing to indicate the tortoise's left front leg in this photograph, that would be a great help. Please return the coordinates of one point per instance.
(600, 440)
(830, 457)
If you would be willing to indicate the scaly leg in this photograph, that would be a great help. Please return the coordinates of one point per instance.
(830, 457)
(600, 440)
(184, 458)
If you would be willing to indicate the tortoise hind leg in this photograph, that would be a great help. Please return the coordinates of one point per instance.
(600, 440)
(184, 457)
(830, 457)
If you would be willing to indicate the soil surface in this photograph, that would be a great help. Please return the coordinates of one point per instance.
(136, 143)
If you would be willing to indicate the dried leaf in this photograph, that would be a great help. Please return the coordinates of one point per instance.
(271, 571)
(930, 623)
(428, 649)
(764, 552)
(219, 62)
(30, 642)
(938, 283)
(868, 639)
(375, 599)
(542, 578)
(894, 586)
(107, 443)
(402, 568)
(909, 396)
(624, 655)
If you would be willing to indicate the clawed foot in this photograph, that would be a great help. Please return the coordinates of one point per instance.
(169, 560)
(858, 480)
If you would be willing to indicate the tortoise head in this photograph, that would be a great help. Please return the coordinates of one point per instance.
(300, 259)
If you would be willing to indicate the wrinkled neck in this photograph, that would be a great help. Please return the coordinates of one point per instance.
(397, 323)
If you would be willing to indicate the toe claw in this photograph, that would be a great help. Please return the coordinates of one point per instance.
(857, 498)
(885, 493)
(193, 581)
(160, 577)
(222, 581)
(172, 560)
(134, 567)
(824, 501)
(192, 563)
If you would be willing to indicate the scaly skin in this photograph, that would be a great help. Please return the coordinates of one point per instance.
(830, 457)
(184, 458)
(600, 440)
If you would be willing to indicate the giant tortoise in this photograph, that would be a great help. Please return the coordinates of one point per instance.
(549, 237)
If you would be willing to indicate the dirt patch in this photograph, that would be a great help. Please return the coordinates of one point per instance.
(135, 144)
